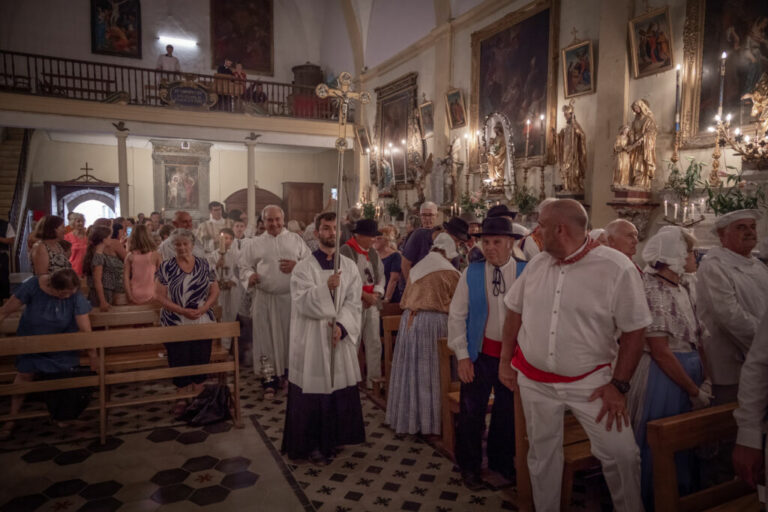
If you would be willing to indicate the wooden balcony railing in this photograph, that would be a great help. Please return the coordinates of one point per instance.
(93, 81)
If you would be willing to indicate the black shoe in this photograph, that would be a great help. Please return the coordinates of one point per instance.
(317, 458)
(472, 480)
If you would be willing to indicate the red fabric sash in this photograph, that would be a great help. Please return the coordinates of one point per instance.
(491, 347)
(533, 373)
(352, 242)
(591, 244)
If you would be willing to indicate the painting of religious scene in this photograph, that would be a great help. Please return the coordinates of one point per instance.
(427, 119)
(243, 31)
(394, 129)
(511, 69)
(578, 70)
(739, 28)
(650, 38)
(457, 115)
(181, 187)
(361, 132)
(116, 28)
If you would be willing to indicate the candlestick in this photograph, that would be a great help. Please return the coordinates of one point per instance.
(666, 210)
(677, 99)
(722, 82)
(527, 136)
(392, 164)
(405, 162)
(676, 207)
(466, 150)
(541, 135)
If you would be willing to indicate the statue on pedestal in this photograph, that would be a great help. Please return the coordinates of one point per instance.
(421, 178)
(497, 155)
(621, 172)
(571, 150)
(642, 149)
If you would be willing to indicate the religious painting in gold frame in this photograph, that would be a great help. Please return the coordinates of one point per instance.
(457, 114)
(650, 43)
(514, 72)
(397, 120)
(361, 134)
(427, 119)
(711, 27)
(578, 69)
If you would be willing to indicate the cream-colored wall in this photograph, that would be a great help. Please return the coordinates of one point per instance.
(61, 161)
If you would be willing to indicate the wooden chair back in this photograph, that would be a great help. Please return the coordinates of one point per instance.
(391, 323)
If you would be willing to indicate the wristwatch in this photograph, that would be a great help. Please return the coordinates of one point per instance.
(621, 385)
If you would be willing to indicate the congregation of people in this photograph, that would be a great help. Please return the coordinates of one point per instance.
(567, 318)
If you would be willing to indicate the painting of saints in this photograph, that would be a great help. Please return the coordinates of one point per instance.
(394, 129)
(577, 69)
(456, 116)
(512, 76)
(243, 31)
(740, 28)
(651, 42)
(116, 28)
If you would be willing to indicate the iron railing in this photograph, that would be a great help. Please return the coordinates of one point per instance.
(18, 214)
(94, 81)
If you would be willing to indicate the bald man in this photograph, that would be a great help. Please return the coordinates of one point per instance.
(181, 220)
(559, 334)
(265, 267)
(622, 236)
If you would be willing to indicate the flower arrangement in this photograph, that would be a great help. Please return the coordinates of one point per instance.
(525, 201)
(683, 185)
(394, 209)
(369, 211)
(473, 202)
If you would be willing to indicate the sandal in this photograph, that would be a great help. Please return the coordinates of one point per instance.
(179, 408)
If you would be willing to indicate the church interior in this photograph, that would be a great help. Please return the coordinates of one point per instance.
(650, 111)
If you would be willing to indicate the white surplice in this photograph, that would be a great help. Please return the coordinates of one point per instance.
(271, 308)
(229, 299)
(313, 309)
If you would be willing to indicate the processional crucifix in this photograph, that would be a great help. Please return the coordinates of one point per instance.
(344, 96)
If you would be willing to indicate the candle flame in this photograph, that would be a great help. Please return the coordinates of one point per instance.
(711, 129)
(466, 135)
(737, 131)
(368, 150)
(728, 117)
(541, 117)
(746, 138)
(403, 141)
(678, 67)
(390, 144)
(724, 56)
(717, 117)
(527, 121)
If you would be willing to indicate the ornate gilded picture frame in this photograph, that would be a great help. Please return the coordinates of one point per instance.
(427, 119)
(361, 134)
(578, 69)
(397, 121)
(514, 72)
(712, 27)
(650, 43)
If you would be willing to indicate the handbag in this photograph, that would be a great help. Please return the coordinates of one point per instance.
(212, 405)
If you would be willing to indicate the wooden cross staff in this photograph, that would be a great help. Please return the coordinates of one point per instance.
(344, 95)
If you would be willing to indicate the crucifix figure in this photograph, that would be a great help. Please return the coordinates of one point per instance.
(344, 94)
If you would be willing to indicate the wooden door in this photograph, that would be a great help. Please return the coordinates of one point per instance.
(302, 201)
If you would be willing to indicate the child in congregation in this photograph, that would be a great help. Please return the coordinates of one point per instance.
(225, 262)
(141, 263)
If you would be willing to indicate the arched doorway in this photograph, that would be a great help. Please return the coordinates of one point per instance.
(92, 203)
(64, 196)
(238, 200)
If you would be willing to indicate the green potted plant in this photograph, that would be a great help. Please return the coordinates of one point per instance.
(735, 195)
(683, 184)
(369, 211)
(395, 210)
(525, 201)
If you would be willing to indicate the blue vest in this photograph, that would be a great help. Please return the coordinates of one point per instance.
(478, 305)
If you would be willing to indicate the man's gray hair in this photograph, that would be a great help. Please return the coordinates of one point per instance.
(182, 233)
(428, 205)
(612, 228)
(264, 210)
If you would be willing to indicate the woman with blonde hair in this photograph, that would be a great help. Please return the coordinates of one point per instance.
(141, 264)
(79, 240)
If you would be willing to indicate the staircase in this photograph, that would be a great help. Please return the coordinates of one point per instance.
(10, 153)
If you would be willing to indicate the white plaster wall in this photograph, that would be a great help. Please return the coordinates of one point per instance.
(459, 7)
(335, 47)
(62, 29)
(395, 25)
(61, 161)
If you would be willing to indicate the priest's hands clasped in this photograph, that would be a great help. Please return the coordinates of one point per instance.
(286, 266)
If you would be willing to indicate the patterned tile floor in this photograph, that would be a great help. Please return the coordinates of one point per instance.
(151, 463)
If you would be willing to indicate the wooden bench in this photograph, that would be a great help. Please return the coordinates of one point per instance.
(391, 324)
(122, 338)
(684, 432)
(450, 397)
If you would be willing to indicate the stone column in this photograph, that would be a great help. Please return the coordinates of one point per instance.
(612, 90)
(122, 170)
(250, 143)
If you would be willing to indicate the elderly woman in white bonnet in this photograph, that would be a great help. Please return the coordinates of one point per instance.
(670, 378)
(413, 404)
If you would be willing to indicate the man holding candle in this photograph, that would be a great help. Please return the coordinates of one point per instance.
(732, 291)
(208, 231)
(265, 265)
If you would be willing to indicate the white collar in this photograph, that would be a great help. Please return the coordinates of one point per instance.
(577, 251)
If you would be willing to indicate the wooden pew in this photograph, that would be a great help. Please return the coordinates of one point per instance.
(450, 395)
(684, 432)
(122, 338)
(391, 324)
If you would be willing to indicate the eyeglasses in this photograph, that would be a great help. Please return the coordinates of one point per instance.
(428, 215)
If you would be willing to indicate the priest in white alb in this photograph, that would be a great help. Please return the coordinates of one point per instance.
(322, 413)
(208, 231)
(266, 263)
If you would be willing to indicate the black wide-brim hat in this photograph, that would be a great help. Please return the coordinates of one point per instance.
(458, 228)
(366, 227)
(497, 226)
(501, 210)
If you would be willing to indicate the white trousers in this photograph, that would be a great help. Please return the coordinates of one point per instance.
(372, 343)
(271, 327)
(544, 406)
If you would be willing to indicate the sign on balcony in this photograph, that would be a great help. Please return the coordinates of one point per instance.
(187, 94)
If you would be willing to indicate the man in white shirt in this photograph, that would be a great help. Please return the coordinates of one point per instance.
(208, 231)
(360, 249)
(266, 263)
(622, 236)
(181, 220)
(475, 323)
(168, 62)
(732, 292)
(560, 328)
(753, 409)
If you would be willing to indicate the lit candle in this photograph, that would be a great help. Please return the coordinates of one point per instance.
(466, 149)
(675, 217)
(543, 152)
(527, 136)
(459, 210)
(677, 99)
(405, 162)
(722, 83)
(666, 210)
